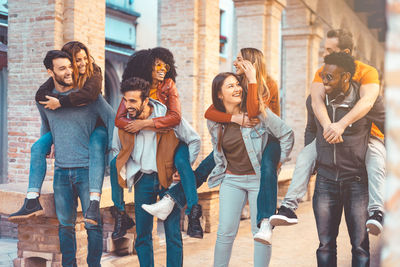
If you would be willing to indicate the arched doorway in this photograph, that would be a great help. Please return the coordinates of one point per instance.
(112, 81)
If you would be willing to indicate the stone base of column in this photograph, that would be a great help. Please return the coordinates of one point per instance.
(39, 244)
(209, 202)
(125, 245)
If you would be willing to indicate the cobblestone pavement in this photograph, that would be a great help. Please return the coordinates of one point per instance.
(292, 246)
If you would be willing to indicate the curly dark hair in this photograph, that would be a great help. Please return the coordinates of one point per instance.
(343, 60)
(136, 84)
(141, 63)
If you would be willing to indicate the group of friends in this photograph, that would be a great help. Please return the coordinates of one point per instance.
(151, 147)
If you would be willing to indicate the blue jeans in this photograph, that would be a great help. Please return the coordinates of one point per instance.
(188, 178)
(177, 192)
(305, 164)
(69, 184)
(146, 191)
(37, 169)
(234, 192)
(117, 192)
(97, 148)
(330, 199)
(97, 158)
(267, 196)
(201, 174)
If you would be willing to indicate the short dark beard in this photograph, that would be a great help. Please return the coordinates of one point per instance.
(138, 112)
(60, 81)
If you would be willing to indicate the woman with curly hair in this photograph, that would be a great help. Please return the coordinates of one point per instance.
(157, 66)
(88, 78)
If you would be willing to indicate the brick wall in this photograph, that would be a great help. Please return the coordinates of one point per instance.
(300, 47)
(191, 31)
(266, 36)
(34, 29)
(84, 21)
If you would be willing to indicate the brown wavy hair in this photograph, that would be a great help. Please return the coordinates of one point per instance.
(72, 48)
(256, 57)
(217, 102)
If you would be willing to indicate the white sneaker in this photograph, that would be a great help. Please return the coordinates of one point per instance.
(264, 235)
(162, 208)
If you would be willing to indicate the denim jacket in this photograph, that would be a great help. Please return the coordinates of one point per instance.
(255, 140)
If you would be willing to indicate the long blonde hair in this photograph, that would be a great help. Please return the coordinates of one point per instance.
(256, 57)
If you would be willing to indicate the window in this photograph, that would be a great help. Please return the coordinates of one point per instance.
(222, 32)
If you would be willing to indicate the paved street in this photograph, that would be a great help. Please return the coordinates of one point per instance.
(292, 246)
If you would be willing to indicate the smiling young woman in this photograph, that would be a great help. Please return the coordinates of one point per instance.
(238, 154)
(87, 78)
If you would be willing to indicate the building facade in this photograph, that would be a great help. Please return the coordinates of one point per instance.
(204, 35)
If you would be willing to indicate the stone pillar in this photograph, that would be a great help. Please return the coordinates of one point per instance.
(391, 248)
(301, 42)
(266, 14)
(33, 30)
(193, 38)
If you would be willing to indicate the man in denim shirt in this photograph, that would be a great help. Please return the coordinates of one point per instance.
(342, 178)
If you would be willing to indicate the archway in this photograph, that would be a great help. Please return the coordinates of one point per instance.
(112, 94)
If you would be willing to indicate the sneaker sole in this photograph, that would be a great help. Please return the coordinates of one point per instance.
(279, 220)
(263, 241)
(373, 227)
(38, 213)
(162, 218)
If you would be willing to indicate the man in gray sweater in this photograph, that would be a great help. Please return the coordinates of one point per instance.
(71, 128)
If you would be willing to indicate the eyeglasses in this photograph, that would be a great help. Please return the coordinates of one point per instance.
(160, 66)
(328, 76)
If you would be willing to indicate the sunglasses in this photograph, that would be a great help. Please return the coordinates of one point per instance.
(160, 66)
(328, 77)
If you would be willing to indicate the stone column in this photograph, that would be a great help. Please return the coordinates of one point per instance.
(391, 248)
(266, 14)
(34, 29)
(190, 29)
(301, 42)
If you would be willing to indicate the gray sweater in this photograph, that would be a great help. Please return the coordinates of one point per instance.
(71, 129)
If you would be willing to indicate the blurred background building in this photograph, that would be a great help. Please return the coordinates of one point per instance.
(204, 35)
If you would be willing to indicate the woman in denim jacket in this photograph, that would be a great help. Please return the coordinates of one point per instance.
(237, 154)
